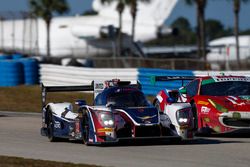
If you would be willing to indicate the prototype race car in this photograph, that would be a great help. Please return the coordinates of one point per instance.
(179, 112)
(220, 104)
(120, 112)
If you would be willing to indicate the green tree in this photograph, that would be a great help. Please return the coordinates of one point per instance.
(214, 29)
(201, 38)
(45, 9)
(181, 24)
(236, 8)
(185, 35)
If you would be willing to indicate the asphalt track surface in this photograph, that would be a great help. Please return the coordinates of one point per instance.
(20, 136)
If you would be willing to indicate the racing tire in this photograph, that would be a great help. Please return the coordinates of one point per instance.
(204, 131)
(85, 129)
(50, 127)
(195, 116)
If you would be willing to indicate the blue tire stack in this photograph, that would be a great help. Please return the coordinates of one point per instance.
(5, 57)
(16, 56)
(16, 70)
(11, 73)
(30, 69)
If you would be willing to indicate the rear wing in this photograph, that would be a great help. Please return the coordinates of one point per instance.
(46, 89)
(96, 86)
(155, 79)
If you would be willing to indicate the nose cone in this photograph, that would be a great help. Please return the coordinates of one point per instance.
(143, 115)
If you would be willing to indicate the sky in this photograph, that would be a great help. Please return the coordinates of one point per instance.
(216, 9)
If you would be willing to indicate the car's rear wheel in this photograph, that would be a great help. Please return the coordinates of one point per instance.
(50, 127)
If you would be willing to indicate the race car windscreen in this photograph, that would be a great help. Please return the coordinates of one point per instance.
(128, 99)
(230, 88)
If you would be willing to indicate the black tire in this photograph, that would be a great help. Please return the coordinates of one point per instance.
(50, 127)
(85, 129)
(204, 131)
(195, 116)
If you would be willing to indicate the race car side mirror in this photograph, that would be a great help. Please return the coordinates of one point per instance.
(183, 91)
(110, 104)
(80, 102)
(170, 100)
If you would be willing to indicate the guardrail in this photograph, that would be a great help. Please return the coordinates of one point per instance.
(67, 75)
(16, 72)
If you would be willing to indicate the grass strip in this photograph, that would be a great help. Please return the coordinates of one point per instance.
(7, 161)
(28, 98)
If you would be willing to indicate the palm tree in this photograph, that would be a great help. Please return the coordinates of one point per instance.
(120, 8)
(133, 11)
(236, 8)
(45, 9)
(201, 39)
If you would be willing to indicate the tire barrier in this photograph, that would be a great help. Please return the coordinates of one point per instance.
(11, 73)
(16, 70)
(30, 69)
(149, 88)
(16, 56)
(68, 75)
(5, 57)
(145, 75)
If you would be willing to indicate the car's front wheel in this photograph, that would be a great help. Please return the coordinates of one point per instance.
(85, 128)
(195, 116)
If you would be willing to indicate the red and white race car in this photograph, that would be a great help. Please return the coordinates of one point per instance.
(219, 104)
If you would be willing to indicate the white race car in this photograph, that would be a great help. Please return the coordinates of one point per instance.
(171, 103)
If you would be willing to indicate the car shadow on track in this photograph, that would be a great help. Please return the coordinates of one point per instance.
(197, 141)
(206, 141)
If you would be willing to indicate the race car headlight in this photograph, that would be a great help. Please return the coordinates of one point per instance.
(183, 116)
(109, 123)
(106, 118)
(218, 106)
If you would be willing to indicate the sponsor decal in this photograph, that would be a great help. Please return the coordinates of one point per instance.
(231, 100)
(159, 98)
(147, 117)
(99, 86)
(203, 103)
(206, 119)
(57, 125)
(217, 129)
(105, 130)
(77, 126)
(236, 115)
(245, 97)
(231, 78)
(205, 109)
